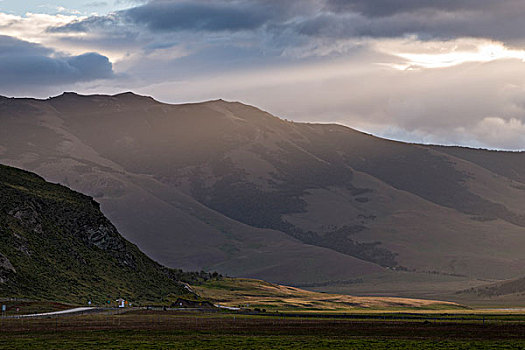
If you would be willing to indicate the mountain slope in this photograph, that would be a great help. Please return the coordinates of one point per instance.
(57, 245)
(221, 185)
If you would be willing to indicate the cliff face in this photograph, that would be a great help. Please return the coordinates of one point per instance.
(56, 244)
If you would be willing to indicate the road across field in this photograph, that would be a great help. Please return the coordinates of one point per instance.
(68, 312)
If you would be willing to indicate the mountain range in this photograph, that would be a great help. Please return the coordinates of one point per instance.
(228, 187)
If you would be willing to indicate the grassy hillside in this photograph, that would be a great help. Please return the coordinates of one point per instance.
(57, 245)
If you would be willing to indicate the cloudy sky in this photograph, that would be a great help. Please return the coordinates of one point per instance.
(440, 71)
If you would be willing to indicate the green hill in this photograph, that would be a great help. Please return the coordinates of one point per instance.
(57, 245)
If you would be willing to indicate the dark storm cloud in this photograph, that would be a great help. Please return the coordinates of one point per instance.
(12, 46)
(383, 8)
(198, 15)
(195, 15)
(23, 63)
(352, 25)
(502, 20)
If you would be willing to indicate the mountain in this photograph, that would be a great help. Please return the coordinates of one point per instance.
(225, 186)
(57, 245)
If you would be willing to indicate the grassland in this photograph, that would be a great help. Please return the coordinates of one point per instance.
(184, 330)
(250, 293)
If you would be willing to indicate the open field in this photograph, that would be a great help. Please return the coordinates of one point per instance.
(182, 329)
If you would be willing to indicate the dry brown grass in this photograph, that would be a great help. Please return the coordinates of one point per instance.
(254, 293)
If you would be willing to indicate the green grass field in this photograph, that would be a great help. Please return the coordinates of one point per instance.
(189, 340)
(197, 330)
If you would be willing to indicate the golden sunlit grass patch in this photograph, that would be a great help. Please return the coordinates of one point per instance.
(250, 293)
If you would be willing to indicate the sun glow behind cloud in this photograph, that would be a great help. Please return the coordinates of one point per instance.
(32, 26)
(446, 54)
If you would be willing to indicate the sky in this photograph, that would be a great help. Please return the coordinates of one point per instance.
(443, 71)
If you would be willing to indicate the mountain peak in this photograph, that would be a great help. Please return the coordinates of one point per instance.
(127, 94)
(66, 95)
(131, 96)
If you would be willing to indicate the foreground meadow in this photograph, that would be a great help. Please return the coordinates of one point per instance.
(176, 329)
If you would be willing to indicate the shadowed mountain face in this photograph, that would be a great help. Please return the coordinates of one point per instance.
(225, 186)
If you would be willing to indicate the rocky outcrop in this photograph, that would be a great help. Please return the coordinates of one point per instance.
(5, 268)
(107, 238)
(5, 264)
(92, 229)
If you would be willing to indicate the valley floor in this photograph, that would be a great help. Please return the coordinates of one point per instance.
(199, 330)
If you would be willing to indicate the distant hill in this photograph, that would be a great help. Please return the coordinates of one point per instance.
(57, 245)
(225, 186)
(513, 288)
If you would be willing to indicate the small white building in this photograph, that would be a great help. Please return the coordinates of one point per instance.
(121, 302)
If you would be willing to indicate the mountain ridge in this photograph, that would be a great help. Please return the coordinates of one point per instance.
(245, 190)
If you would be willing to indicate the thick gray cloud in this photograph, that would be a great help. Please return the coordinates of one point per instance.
(445, 19)
(500, 20)
(383, 8)
(195, 15)
(23, 63)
